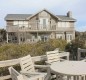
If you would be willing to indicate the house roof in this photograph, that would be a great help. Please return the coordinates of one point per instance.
(47, 12)
(17, 16)
(28, 16)
(66, 18)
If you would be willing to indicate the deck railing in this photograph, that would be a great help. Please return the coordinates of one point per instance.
(15, 62)
(79, 52)
(37, 28)
(12, 62)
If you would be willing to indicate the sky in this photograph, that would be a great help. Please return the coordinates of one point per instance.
(57, 7)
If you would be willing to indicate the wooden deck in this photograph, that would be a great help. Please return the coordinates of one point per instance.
(15, 62)
(12, 62)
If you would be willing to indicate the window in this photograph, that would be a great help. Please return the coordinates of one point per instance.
(69, 37)
(66, 24)
(25, 22)
(15, 23)
(59, 36)
(44, 22)
(21, 23)
(63, 24)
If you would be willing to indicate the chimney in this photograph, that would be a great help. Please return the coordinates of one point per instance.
(69, 14)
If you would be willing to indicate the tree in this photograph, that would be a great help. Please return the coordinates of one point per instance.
(2, 34)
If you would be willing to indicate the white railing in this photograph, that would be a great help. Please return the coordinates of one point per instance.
(79, 52)
(30, 27)
(65, 28)
(38, 28)
(17, 61)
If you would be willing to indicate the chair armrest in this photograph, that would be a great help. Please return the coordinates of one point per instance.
(63, 59)
(84, 60)
(47, 63)
(47, 67)
(34, 76)
(42, 66)
(37, 77)
(30, 73)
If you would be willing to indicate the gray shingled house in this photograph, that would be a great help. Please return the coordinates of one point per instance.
(43, 25)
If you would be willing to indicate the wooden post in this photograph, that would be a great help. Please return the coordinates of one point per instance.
(19, 37)
(68, 56)
(78, 54)
(68, 77)
(7, 37)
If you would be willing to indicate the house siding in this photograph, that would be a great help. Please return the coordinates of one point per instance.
(54, 28)
(9, 23)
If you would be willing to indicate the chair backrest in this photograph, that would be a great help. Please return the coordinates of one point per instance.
(57, 49)
(27, 64)
(52, 56)
(14, 74)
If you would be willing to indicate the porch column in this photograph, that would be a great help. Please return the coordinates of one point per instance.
(65, 35)
(7, 37)
(19, 38)
(37, 35)
(25, 36)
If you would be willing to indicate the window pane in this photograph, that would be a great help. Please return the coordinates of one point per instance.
(67, 24)
(21, 22)
(25, 22)
(44, 22)
(21, 25)
(59, 24)
(26, 25)
(59, 36)
(63, 24)
(15, 23)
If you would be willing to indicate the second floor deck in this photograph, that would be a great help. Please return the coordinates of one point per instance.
(39, 28)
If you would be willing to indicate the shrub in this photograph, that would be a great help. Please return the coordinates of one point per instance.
(13, 51)
(73, 46)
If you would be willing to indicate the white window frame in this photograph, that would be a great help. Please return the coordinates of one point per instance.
(59, 36)
(69, 37)
(15, 23)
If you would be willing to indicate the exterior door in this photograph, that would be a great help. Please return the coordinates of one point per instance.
(43, 23)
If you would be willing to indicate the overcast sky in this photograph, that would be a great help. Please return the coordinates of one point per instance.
(58, 7)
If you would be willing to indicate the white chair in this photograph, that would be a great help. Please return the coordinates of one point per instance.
(27, 66)
(53, 56)
(17, 76)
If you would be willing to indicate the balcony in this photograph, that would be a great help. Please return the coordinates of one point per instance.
(39, 28)
(65, 29)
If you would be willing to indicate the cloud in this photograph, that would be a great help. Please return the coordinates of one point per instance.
(59, 7)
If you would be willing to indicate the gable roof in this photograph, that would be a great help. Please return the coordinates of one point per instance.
(28, 16)
(47, 12)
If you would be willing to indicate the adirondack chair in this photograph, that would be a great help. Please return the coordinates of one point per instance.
(27, 66)
(53, 56)
(17, 76)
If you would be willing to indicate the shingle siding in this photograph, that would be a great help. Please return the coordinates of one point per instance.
(52, 27)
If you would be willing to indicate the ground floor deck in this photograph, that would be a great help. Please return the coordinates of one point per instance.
(19, 37)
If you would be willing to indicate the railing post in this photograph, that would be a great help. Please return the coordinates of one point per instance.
(78, 54)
